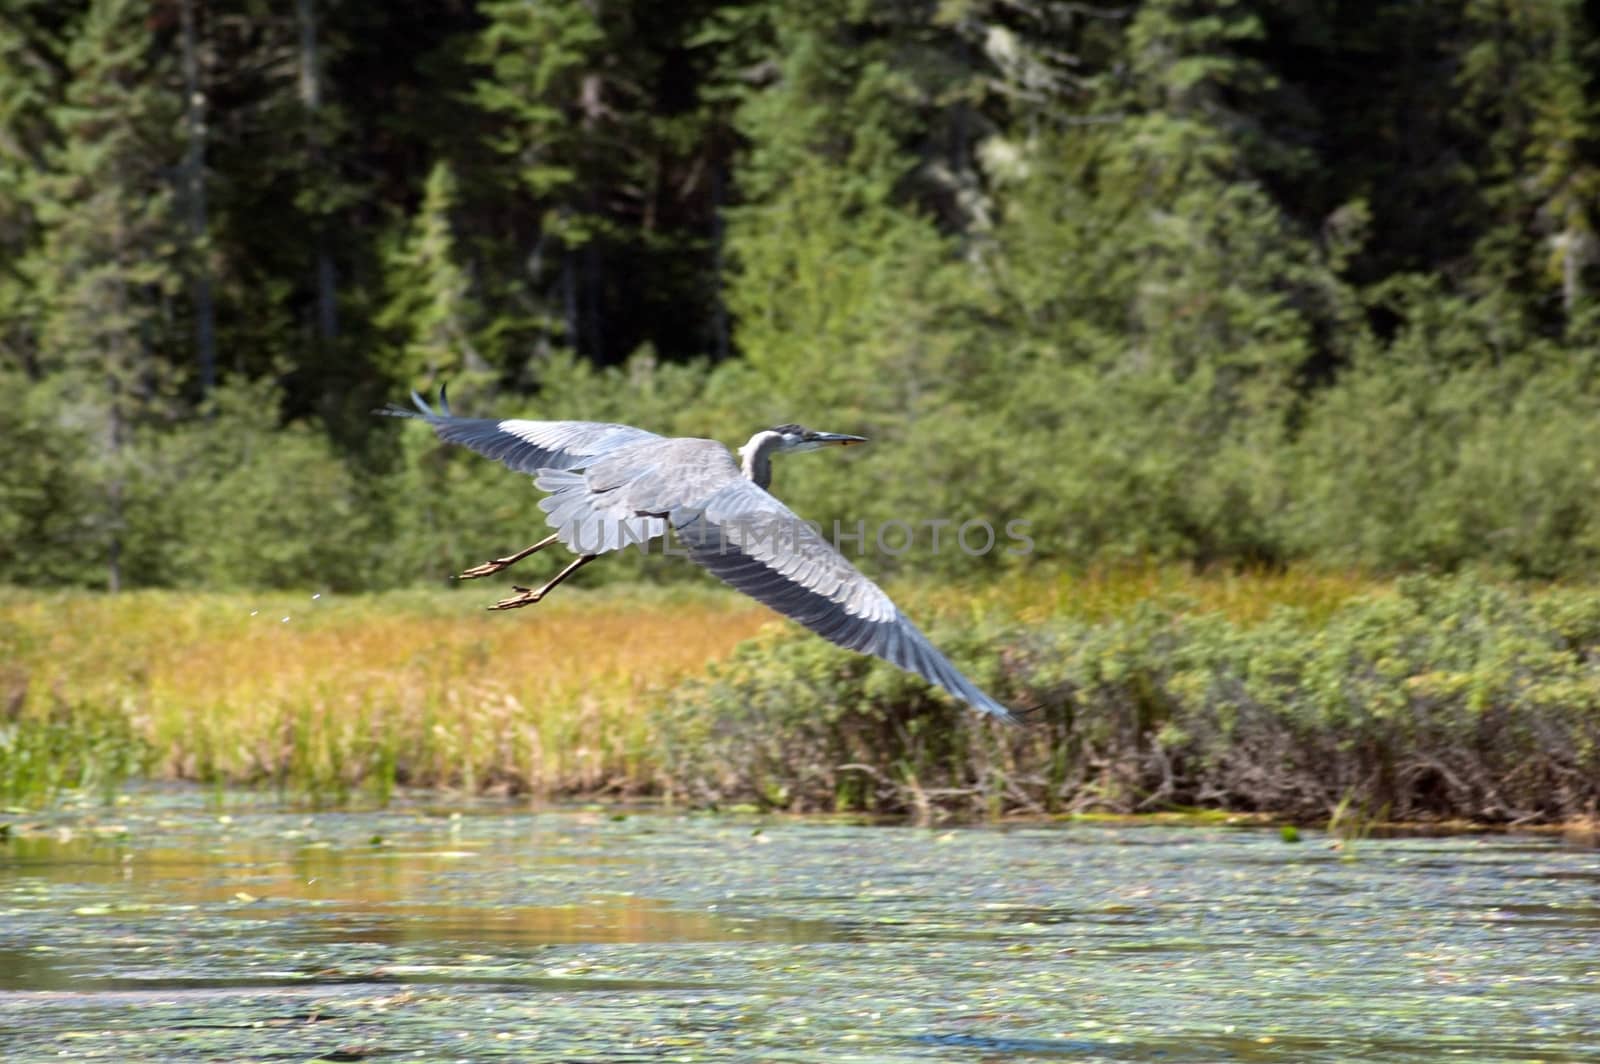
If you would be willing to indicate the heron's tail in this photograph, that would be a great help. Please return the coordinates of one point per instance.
(423, 410)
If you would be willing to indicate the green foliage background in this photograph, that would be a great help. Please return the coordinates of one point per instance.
(1227, 282)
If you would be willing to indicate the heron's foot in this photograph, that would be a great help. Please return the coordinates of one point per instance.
(526, 596)
(487, 568)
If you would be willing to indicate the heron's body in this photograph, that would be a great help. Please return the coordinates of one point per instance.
(612, 486)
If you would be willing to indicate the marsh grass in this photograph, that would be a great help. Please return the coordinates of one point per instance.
(1351, 823)
(1034, 596)
(326, 696)
(1298, 693)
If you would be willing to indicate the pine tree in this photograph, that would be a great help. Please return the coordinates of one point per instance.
(545, 88)
(826, 255)
(30, 84)
(430, 310)
(612, 166)
(108, 266)
(316, 190)
(1525, 72)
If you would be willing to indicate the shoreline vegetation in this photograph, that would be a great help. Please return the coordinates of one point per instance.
(1299, 696)
(1117, 276)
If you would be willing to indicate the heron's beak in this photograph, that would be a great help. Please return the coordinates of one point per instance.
(843, 439)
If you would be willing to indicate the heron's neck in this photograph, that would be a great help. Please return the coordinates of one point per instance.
(755, 457)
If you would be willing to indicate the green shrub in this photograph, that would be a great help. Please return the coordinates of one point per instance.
(50, 517)
(1402, 464)
(236, 500)
(1449, 698)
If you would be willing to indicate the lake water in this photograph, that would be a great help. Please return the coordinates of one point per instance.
(177, 928)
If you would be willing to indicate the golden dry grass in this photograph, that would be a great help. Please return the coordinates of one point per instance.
(419, 688)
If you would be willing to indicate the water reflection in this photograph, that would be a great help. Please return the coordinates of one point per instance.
(320, 894)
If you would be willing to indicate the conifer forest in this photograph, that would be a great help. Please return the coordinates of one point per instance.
(1232, 283)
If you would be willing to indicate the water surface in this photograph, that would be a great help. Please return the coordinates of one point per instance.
(177, 928)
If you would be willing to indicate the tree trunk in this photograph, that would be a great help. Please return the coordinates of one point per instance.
(194, 182)
(1577, 253)
(569, 298)
(719, 307)
(311, 99)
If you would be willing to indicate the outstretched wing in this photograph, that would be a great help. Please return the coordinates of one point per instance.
(525, 446)
(749, 539)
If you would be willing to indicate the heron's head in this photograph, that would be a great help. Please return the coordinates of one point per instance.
(755, 457)
(799, 438)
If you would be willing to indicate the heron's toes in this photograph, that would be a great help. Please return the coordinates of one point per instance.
(486, 569)
(527, 598)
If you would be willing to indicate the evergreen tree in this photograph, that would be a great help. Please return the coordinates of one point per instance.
(542, 87)
(30, 83)
(1525, 71)
(430, 309)
(611, 169)
(1165, 276)
(108, 266)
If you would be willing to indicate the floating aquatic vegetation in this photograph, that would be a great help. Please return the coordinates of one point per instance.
(167, 930)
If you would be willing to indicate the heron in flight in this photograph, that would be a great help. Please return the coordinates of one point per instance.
(614, 485)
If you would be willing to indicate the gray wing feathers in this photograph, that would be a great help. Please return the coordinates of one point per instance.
(748, 521)
(748, 539)
(525, 446)
(658, 476)
(623, 496)
(588, 523)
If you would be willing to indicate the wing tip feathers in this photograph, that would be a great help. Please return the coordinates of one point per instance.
(419, 408)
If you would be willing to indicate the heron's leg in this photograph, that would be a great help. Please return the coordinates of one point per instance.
(490, 568)
(528, 597)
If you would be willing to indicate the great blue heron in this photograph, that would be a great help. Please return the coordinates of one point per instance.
(614, 485)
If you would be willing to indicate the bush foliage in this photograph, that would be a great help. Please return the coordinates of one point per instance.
(1444, 698)
(1395, 466)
